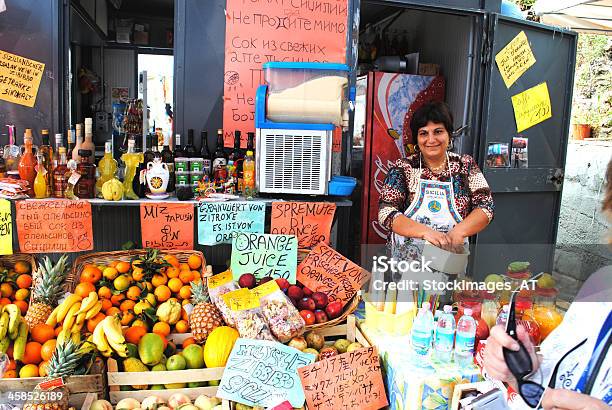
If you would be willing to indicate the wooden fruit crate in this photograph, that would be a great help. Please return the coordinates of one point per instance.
(79, 387)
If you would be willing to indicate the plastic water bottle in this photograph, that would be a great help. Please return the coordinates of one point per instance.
(445, 335)
(464, 343)
(502, 318)
(422, 329)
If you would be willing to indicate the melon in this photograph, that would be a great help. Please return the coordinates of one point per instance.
(219, 345)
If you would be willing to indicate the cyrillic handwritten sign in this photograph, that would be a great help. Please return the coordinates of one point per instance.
(6, 228)
(263, 373)
(218, 220)
(166, 225)
(19, 79)
(264, 255)
(311, 222)
(54, 226)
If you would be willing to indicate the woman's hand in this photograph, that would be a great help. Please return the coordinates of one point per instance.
(456, 239)
(494, 362)
(436, 238)
(560, 399)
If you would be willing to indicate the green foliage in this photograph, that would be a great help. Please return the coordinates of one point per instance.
(524, 4)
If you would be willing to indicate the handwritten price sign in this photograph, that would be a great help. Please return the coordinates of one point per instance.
(218, 221)
(531, 107)
(166, 225)
(348, 381)
(54, 226)
(263, 373)
(311, 222)
(514, 59)
(264, 255)
(6, 228)
(21, 79)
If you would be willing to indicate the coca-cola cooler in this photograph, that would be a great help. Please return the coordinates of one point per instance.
(390, 101)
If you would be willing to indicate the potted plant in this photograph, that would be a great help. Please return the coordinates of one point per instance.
(581, 125)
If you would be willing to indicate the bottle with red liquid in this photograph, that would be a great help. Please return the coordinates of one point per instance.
(85, 187)
(27, 163)
(60, 178)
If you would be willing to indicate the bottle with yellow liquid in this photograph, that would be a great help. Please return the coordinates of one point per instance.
(107, 167)
(131, 159)
(40, 182)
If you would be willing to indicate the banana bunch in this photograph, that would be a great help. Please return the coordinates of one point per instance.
(13, 327)
(72, 313)
(108, 337)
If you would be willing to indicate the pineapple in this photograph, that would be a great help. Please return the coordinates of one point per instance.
(205, 317)
(46, 290)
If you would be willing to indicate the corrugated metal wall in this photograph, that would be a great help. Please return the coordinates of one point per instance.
(119, 71)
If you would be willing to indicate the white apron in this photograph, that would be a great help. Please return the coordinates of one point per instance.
(433, 206)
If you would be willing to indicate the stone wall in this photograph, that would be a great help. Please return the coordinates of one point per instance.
(583, 229)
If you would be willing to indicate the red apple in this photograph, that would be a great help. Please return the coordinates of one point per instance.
(320, 316)
(308, 316)
(247, 280)
(283, 284)
(328, 352)
(320, 300)
(307, 292)
(334, 309)
(307, 304)
(295, 292)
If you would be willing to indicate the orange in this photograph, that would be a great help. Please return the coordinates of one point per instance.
(194, 261)
(29, 370)
(134, 334)
(182, 326)
(188, 341)
(6, 290)
(162, 293)
(91, 274)
(165, 341)
(113, 311)
(24, 281)
(10, 374)
(42, 333)
(172, 260)
(172, 272)
(185, 276)
(22, 305)
(175, 284)
(5, 301)
(84, 288)
(140, 323)
(42, 369)
(110, 273)
(106, 303)
(47, 349)
(149, 286)
(159, 279)
(93, 322)
(126, 318)
(116, 299)
(123, 267)
(12, 365)
(127, 305)
(22, 267)
(32, 353)
(104, 292)
(161, 328)
(185, 292)
(133, 293)
(184, 315)
(58, 330)
(22, 294)
(113, 264)
(184, 266)
(137, 274)
(195, 275)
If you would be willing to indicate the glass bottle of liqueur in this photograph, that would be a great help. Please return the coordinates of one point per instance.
(47, 152)
(107, 167)
(88, 143)
(251, 142)
(78, 143)
(237, 157)
(190, 151)
(72, 178)
(27, 163)
(56, 157)
(40, 182)
(12, 154)
(131, 159)
(71, 142)
(168, 158)
(205, 154)
(219, 164)
(85, 188)
(178, 149)
(139, 184)
(60, 177)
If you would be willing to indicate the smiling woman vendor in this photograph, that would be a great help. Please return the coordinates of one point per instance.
(433, 195)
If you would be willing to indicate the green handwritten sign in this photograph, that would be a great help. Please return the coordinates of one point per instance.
(264, 255)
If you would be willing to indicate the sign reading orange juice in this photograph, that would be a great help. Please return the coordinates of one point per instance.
(310, 221)
(54, 226)
(261, 31)
(166, 225)
(19, 79)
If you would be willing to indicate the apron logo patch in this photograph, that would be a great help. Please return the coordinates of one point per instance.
(434, 206)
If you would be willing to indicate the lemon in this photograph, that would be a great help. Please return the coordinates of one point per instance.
(29, 370)
(141, 306)
(122, 282)
(151, 299)
(110, 273)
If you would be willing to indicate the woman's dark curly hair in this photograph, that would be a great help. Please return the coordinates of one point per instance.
(436, 111)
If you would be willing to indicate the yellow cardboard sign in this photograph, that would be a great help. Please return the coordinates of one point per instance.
(220, 279)
(265, 289)
(19, 79)
(514, 59)
(6, 228)
(241, 299)
(531, 107)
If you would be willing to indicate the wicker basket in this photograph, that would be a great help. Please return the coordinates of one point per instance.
(349, 308)
(103, 258)
(10, 260)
